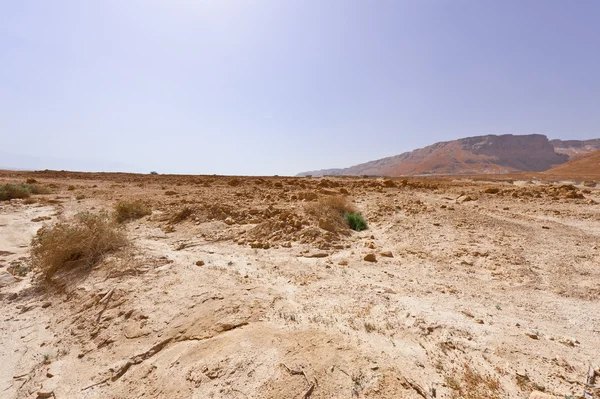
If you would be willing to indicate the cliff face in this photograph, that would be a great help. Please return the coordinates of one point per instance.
(574, 148)
(471, 155)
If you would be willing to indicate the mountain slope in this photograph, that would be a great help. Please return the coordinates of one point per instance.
(471, 155)
(584, 167)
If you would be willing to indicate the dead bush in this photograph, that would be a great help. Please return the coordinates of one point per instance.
(126, 211)
(329, 212)
(182, 215)
(80, 242)
(469, 384)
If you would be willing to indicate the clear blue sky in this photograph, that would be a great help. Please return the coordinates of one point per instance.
(284, 86)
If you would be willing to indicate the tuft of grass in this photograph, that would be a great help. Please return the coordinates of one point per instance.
(12, 191)
(355, 221)
(471, 385)
(126, 211)
(81, 242)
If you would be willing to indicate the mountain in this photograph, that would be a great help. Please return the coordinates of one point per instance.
(583, 167)
(473, 155)
(574, 148)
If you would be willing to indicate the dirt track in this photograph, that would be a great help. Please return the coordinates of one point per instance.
(492, 295)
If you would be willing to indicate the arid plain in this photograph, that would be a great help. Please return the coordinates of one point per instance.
(235, 287)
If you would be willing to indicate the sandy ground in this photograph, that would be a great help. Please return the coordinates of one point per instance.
(484, 295)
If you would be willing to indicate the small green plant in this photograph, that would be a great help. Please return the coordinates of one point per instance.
(355, 221)
(47, 357)
(11, 191)
(126, 211)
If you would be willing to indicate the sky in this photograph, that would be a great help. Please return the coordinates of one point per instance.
(264, 87)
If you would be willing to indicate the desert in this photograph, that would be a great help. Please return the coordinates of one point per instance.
(250, 287)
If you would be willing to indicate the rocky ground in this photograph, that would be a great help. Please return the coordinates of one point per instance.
(231, 289)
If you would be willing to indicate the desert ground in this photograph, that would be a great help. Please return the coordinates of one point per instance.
(232, 288)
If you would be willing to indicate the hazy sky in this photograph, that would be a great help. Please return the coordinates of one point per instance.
(284, 86)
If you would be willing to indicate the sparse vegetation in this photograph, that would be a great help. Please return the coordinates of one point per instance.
(471, 385)
(154, 172)
(126, 211)
(80, 242)
(355, 221)
(182, 215)
(335, 214)
(12, 191)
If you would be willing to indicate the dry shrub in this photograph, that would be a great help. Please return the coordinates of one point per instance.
(80, 242)
(182, 215)
(329, 212)
(471, 385)
(126, 211)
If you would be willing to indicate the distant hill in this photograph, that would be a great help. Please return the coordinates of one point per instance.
(474, 155)
(583, 167)
(575, 148)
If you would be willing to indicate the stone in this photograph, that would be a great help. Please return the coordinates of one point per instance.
(6, 278)
(541, 395)
(200, 263)
(370, 258)
(387, 254)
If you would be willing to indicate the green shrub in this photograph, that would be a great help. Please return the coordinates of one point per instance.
(355, 221)
(126, 211)
(11, 191)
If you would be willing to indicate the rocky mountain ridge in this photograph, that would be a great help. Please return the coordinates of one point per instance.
(490, 154)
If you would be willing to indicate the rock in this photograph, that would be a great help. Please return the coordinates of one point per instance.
(326, 224)
(568, 342)
(492, 190)
(343, 262)
(387, 254)
(532, 335)
(229, 221)
(6, 278)
(46, 305)
(317, 255)
(370, 258)
(257, 244)
(9, 296)
(541, 395)
(200, 263)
